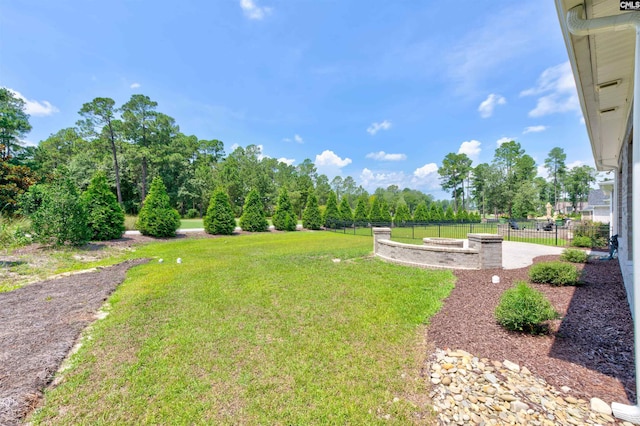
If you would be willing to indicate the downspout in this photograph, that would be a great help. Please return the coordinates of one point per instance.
(584, 27)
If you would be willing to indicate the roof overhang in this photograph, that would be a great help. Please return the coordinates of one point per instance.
(602, 66)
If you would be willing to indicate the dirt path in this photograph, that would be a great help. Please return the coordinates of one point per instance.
(39, 324)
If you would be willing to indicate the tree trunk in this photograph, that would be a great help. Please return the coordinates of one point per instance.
(144, 178)
(115, 164)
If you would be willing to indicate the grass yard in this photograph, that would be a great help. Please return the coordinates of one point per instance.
(257, 329)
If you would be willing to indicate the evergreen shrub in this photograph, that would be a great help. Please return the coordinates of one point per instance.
(253, 218)
(554, 273)
(105, 216)
(311, 217)
(284, 219)
(574, 255)
(523, 308)
(582, 241)
(157, 218)
(219, 219)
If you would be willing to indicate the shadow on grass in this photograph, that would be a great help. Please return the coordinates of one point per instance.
(598, 322)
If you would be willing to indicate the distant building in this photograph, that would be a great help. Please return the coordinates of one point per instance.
(598, 207)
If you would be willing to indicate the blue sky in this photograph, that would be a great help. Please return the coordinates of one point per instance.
(378, 90)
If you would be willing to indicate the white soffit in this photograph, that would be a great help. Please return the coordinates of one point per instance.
(603, 68)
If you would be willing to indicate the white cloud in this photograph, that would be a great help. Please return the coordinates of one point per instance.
(383, 156)
(488, 105)
(134, 85)
(471, 148)
(426, 177)
(371, 180)
(542, 171)
(234, 147)
(288, 161)
(376, 127)
(36, 108)
(330, 164)
(574, 164)
(253, 11)
(557, 90)
(500, 141)
(534, 129)
(298, 138)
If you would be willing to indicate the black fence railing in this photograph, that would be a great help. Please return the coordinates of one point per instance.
(539, 232)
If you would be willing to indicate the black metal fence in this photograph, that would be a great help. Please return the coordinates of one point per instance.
(530, 231)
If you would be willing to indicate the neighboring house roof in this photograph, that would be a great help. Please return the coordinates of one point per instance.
(597, 197)
(603, 68)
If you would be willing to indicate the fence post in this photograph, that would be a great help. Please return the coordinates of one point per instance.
(438, 230)
(413, 231)
(556, 234)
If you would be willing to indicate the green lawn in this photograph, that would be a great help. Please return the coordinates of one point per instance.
(257, 329)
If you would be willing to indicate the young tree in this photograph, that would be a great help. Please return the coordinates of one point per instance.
(346, 215)
(331, 215)
(219, 218)
(385, 213)
(402, 213)
(375, 216)
(449, 215)
(253, 218)
(311, 217)
(284, 218)
(555, 165)
(578, 184)
(105, 216)
(421, 213)
(361, 215)
(57, 214)
(157, 218)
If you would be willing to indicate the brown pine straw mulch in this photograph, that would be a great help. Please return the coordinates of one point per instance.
(590, 349)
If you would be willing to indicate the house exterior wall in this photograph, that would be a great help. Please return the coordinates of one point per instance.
(625, 229)
(601, 214)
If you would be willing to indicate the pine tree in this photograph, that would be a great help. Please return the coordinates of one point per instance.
(449, 215)
(284, 219)
(421, 214)
(346, 215)
(157, 218)
(105, 216)
(434, 213)
(253, 218)
(402, 214)
(311, 217)
(385, 214)
(219, 218)
(374, 214)
(331, 215)
(361, 215)
(462, 216)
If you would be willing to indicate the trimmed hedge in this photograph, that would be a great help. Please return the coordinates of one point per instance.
(253, 218)
(105, 216)
(157, 218)
(219, 218)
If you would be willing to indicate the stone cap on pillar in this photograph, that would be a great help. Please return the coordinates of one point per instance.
(485, 238)
(381, 230)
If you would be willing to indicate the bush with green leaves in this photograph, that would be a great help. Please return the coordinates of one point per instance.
(192, 214)
(385, 212)
(361, 215)
(523, 308)
(57, 214)
(582, 241)
(346, 215)
(253, 218)
(375, 215)
(449, 215)
(311, 217)
(219, 219)
(421, 213)
(157, 218)
(105, 216)
(574, 255)
(402, 214)
(284, 219)
(331, 215)
(554, 273)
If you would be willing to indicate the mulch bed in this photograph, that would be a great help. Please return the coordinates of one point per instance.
(39, 324)
(590, 349)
